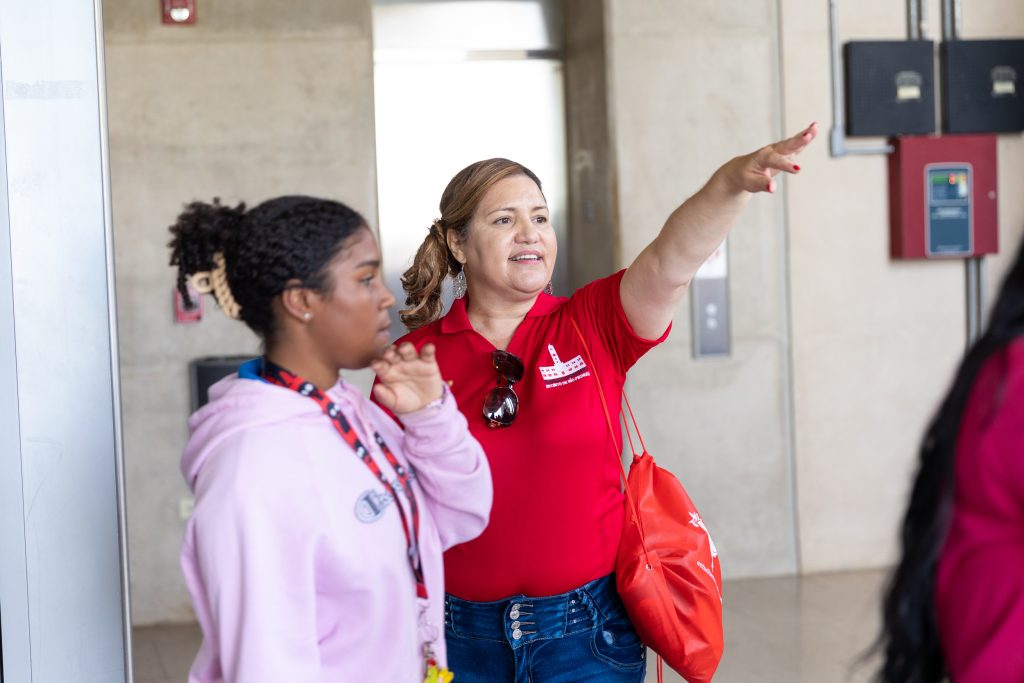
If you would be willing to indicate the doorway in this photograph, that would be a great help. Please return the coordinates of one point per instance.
(457, 82)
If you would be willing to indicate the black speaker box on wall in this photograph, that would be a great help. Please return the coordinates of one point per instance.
(890, 87)
(982, 86)
(207, 371)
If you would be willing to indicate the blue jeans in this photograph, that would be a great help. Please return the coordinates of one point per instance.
(580, 636)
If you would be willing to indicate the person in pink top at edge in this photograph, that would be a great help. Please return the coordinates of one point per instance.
(314, 552)
(954, 606)
(533, 598)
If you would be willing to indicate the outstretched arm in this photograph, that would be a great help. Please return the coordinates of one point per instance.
(655, 282)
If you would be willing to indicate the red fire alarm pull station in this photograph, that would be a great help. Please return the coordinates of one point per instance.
(179, 11)
(942, 197)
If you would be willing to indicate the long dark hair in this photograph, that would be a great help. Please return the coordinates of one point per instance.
(263, 248)
(910, 638)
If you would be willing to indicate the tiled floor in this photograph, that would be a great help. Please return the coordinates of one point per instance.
(784, 630)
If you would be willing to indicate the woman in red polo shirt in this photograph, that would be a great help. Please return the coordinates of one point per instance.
(532, 598)
(954, 607)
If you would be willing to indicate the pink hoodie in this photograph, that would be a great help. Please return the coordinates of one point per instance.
(295, 556)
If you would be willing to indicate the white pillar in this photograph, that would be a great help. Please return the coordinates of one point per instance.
(63, 597)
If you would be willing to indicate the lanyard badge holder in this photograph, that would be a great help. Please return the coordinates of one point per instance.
(277, 375)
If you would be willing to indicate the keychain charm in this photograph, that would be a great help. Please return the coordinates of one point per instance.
(432, 673)
(435, 675)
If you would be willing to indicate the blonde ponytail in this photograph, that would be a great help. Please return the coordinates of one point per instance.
(424, 280)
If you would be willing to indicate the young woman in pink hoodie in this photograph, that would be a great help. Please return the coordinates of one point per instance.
(314, 550)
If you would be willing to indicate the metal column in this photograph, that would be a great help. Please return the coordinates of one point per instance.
(63, 577)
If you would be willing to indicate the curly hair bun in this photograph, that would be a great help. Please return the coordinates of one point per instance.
(200, 233)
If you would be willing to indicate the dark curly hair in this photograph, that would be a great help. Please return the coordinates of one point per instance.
(909, 640)
(283, 239)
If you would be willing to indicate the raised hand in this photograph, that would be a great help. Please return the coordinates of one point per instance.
(755, 172)
(408, 381)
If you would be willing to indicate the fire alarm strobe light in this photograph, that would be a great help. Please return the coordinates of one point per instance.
(179, 12)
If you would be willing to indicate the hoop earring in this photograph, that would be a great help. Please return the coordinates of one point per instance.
(459, 284)
(548, 289)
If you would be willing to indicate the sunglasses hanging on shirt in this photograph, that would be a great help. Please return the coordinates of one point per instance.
(501, 405)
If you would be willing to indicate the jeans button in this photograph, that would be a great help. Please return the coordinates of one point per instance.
(517, 634)
(514, 614)
(516, 624)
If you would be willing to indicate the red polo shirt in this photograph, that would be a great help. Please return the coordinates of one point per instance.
(558, 505)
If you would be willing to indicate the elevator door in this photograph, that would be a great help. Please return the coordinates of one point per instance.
(448, 92)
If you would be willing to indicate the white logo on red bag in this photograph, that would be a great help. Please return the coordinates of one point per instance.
(562, 373)
(696, 521)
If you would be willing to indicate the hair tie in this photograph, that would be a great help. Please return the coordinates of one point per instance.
(216, 281)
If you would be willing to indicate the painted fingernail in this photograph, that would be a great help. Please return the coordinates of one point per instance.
(768, 187)
(795, 167)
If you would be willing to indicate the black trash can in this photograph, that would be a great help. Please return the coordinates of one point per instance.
(205, 372)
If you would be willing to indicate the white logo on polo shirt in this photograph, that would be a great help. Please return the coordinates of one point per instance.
(562, 373)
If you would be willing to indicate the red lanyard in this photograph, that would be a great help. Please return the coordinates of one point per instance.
(275, 374)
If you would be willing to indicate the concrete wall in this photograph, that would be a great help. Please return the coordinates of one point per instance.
(797, 448)
(692, 84)
(593, 236)
(260, 98)
(830, 336)
(875, 342)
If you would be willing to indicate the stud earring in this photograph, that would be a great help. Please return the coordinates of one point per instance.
(307, 316)
(459, 284)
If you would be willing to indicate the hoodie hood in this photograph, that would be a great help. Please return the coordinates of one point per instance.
(240, 403)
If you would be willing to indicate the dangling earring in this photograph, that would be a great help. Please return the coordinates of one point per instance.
(459, 284)
(548, 289)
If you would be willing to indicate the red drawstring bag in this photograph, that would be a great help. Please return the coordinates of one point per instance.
(667, 570)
